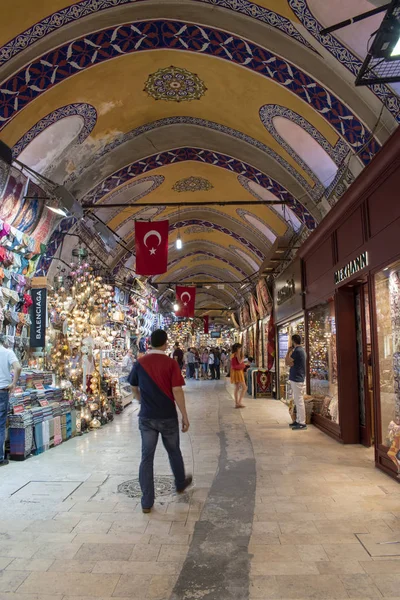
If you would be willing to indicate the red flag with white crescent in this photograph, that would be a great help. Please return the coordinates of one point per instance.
(151, 241)
(185, 299)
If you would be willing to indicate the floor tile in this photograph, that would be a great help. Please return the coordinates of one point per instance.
(312, 497)
(30, 564)
(63, 583)
(95, 552)
(11, 580)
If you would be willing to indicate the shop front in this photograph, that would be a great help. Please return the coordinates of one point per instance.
(289, 315)
(351, 267)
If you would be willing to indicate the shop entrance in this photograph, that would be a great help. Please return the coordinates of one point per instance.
(364, 365)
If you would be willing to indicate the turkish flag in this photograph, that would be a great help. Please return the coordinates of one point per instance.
(151, 240)
(206, 322)
(185, 299)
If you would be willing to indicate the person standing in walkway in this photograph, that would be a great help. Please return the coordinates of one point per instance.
(237, 374)
(224, 361)
(127, 364)
(157, 381)
(10, 370)
(204, 362)
(211, 363)
(296, 359)
(196, 363)
(190, 358)
(178, 355)
(217, 363)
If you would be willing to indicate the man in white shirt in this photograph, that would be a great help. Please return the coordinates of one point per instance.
(127, 364)
(8, 363)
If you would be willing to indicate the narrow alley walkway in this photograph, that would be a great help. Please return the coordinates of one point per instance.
(273, 514)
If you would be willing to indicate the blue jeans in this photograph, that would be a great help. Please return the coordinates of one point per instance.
(150, 430)
(4, 394)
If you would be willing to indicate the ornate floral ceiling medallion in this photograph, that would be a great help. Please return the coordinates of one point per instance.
(198, 229)
(192, 184)
(175, 84)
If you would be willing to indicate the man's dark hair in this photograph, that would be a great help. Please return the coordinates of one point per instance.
(158, 338)
(296, 339)
(176, 343)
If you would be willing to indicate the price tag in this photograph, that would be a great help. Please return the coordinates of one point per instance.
(18, 408)
(43, 402)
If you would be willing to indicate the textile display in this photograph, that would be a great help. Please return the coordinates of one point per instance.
(57, 431)
(262, 384)
(253, 308)
(264, 299)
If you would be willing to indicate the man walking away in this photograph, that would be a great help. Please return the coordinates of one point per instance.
(296, 359)
(178, 355)
(8, 362)
(158, 381)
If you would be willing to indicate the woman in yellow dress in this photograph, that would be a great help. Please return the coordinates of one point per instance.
(237, 374)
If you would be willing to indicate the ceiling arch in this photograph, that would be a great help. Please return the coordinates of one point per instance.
(86, 112)
(246, 69)
(110, 43)
(203, 156)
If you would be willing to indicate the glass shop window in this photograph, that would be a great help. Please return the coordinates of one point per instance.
(387, 295)
(323, 360)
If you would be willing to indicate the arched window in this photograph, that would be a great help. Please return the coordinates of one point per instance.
(48, 147)
(261, 226)
(307, 148)
(281, 209)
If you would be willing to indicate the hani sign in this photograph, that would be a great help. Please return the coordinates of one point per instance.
(287, 291)
(358, 264)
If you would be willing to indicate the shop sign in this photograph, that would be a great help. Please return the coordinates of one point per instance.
(358, 264)
(287, 291)
(38, 308)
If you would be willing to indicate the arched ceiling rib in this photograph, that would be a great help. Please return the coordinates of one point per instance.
(252, 64)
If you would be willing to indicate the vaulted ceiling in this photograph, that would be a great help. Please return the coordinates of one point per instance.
(161, 102)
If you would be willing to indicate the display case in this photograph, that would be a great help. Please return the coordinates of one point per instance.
(387, 297)
(323, 377)
(285, 333)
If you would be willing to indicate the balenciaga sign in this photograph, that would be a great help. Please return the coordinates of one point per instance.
(38, 311)
(352, 267)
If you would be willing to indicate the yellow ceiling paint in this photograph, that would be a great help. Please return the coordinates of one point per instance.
(186, 262)
(19, 15)
(233, 98)
(279, 6)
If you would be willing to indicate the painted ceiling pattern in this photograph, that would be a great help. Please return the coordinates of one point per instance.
(195, 154)
(82, 9)
(193, 184)
(185, 149)
(175, 84)
(67, 60)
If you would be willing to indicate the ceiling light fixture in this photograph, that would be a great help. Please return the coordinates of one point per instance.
(57, 210)
(176, 307)
(178, 243)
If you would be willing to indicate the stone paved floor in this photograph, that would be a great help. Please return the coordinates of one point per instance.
(273, 514)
